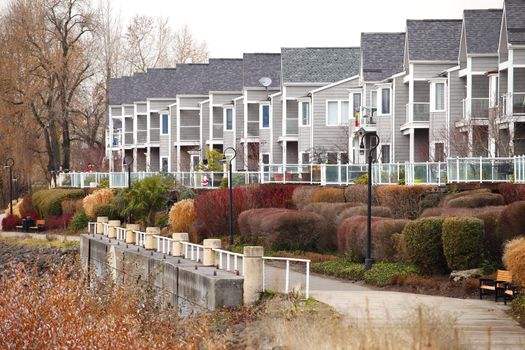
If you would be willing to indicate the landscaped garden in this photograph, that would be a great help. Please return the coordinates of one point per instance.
(420, 234)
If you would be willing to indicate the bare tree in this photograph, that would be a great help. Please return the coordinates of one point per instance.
(186, 49)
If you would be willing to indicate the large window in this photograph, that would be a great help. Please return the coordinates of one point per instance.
(265, 116)
(385, 154)
(385, 101)
(439, 152)
(229, 118)
(164, 164)
(165, 121)
(373, 103)
(305, 113)
(439, 97)
(337, 112)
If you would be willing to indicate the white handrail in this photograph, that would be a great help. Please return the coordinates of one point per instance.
(230, 254)
(287, 272)
(105, 228)
(163, 244)
(93, 225)
(140, 238)
(192, 251)
(121, 233)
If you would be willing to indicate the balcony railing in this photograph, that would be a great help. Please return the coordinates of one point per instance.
(513, 103)
(218, 131)
(475, 108)
(128, 138)
(253, 128)
(116, 139)
(292, 127)
(154, 135)
(417, 112)
(190, 133)
(142, 137)
(367, 117)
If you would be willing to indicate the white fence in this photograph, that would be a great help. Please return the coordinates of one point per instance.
(454, 170)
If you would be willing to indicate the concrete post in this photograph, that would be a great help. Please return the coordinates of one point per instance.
(150, 241)
(130, 235)
(208, 258)
(100, 221)
(253, 274)
(112, 231)
(178, 238)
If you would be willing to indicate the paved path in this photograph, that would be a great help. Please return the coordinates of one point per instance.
(482, 322)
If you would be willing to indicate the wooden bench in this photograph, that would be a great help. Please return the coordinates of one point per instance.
(40, 225)
(496, 286)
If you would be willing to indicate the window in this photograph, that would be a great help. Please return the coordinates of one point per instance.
(343, 158)
(357, 102)
(385, 154)
(194, 161)
(305, 158)
(165, 121)
(337, 112)
(265, 116)
(164, 164)
(266, 158)
(373, 103)
(439, 97)
(331, 158)
(439, 152)
(385, 101)
(229, 118)
(305, 114)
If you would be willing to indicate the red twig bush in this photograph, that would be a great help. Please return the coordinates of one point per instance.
(9, 222)
(512, 192)
(403, 201)
(362, 210)
(302, 195)
(351, 237)
(359, 193)
(476, 200)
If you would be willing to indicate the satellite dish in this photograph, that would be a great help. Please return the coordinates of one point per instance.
(265, 81)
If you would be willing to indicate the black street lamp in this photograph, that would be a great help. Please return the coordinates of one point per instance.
(368, 258)
(9, 162)
(230, 187)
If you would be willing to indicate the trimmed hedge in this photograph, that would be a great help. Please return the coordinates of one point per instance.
(329, 195)
(330, 212)
(362, 210)
(302, 195)
(476, 200)
(359, 194)
(48, 203)
(512, 192)
(462, 239)
(403, 200)
(514, 259)
(422, 238)
(351, 237)
(282, 229)
(511, 221)
(383, 274)
(341, 268)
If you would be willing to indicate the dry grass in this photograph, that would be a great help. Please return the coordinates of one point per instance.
(514, 259)
(302, 195)
(101, 196)
(287, 326)
(329, 195)
(182, 216)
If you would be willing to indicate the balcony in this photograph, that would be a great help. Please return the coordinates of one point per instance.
(253, 128)
(513, 103)
(218, 131)
(475, 108)
(142, 137)
(116, 138)
(292, 127)
(417, 112)
(190, 133)
(128, 138)
(368, 117)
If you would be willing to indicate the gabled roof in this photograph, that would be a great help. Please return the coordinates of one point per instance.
(515, 18)
(433, 39)
(225, 74)
(381, 55)
(481, 28)
(191, 79)
(258, 65)
(319, 64)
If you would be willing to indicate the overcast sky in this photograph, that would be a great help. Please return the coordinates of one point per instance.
(231, 27)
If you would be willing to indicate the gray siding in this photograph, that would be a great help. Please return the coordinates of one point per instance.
(519, 79)
(333, 138)
(205, 123)
(438, 127)
(141, 108)
(190, 102)
(519, 56)
(480, 86)
(157, 105)
(221, 99)
(116, 111)
(129, 110)
(427, 71)
(299, 91)
(190, 125)
(258, 95)
(277, 119)
(484, 64)
(456, 86)
(401, 142)
(239, 130)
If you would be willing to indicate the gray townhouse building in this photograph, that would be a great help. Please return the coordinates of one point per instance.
(445, 88)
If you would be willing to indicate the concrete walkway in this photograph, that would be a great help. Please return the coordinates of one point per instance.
(484, 323)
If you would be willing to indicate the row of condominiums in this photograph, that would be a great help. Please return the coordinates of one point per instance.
(443, 88)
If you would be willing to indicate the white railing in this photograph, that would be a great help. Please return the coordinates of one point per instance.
(480, 169)
(193, 251)
(287, 273)
(140, 238)
(226, 262)
(426, 173)
(519, 169)
(121, 233)
(476, 108)
(105, 229)
(164, 244)
(81, 180)
(92, 227)
(417, 112)
(387, 173)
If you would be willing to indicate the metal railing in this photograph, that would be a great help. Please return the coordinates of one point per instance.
(287, 273)
(417, 112)
(480, 169)
(164, 244)
(475, 108)
(229, 257)
(426, 173)
(193, 251)
(292, 127)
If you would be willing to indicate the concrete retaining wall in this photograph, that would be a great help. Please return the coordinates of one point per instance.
(206, 287)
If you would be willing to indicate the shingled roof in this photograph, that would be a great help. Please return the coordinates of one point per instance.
(225, 74)
(319, 64)
(258, 65)
(433, 39)
(381, 55)
(515, 18)
(482, 29)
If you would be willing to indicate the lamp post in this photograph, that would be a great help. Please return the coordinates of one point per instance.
(230, 187)
(9, 162)
(368, 259)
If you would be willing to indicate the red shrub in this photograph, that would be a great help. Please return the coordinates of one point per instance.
(10, 222)
(302, 195)
(351, 237)
(511, 222)
(359, 193)
(512, 192)
(452, 196)
(58, 222)
(30, 213)
(269, 196)
(476, 200)
(282, 229)
(403, 201)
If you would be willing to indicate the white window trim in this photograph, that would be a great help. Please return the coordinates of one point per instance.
(225, 119)
(339, 111)
(162, 124)
(433, 97)
(301, 104)
(379, 104)
(261, 105)
(389, 150)
(167, 162)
